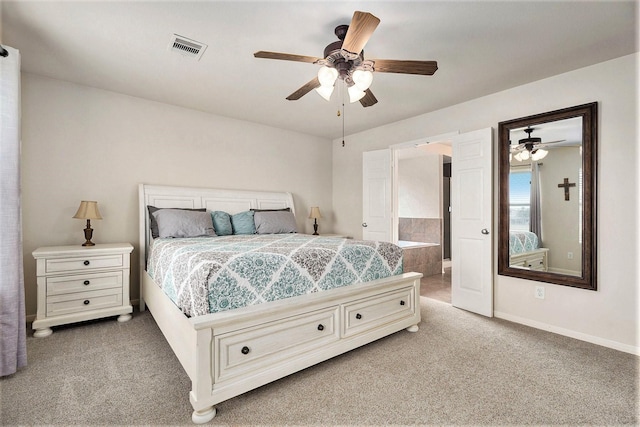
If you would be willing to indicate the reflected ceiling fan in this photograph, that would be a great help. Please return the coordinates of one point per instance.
(531, 146)
(344, 59)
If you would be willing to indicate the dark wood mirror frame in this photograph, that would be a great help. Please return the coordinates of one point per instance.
(587, 280)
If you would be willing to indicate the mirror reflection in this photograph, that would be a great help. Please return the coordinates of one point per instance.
(547, 168)
(545, 203)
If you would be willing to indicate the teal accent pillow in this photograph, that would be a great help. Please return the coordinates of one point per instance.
(243, 223)
(222, 223)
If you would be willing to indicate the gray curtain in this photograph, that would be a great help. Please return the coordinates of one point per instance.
(13, 348)
(535, 219)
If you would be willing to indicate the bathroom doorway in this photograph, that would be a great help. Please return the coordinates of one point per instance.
(423, 214)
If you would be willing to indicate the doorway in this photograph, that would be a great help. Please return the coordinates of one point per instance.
(471, 214)
(423, 214)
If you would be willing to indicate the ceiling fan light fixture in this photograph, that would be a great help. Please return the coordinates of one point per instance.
(355, 94)
(327, 76)
(325, 92)
(362, 79)
(538, 154)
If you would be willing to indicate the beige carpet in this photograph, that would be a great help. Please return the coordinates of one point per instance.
(459, 369)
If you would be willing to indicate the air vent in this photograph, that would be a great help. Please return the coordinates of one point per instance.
(186, 47)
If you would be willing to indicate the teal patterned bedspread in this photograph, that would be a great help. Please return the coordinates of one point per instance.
(212, 274)
(522, 241)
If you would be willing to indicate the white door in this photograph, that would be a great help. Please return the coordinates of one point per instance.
(376, 195)
(471, 221)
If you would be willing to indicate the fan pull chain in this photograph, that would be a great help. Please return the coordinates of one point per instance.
(343, 113)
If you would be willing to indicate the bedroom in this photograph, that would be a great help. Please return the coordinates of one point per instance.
(81, 142)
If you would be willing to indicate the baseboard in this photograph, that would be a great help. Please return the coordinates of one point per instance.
(569, 333)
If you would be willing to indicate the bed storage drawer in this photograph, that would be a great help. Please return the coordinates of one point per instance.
(533, 260)
(254, 349)
(379, 310)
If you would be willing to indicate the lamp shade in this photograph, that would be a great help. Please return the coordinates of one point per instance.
(539, 154)
(88, 210)
(325, 92)
(315, 213)
(362, 79)
(355, 94)
(327, 76)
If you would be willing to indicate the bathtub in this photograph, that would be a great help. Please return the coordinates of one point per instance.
(405, 244)
(422, 257)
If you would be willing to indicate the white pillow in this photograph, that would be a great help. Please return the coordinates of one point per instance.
(181, 223)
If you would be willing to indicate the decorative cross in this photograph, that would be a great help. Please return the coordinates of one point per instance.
(566, 186)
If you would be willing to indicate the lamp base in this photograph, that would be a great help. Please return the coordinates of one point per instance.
(88, 234)
(315, 227)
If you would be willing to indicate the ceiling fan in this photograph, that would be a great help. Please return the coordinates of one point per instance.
(531, 146)
(344, 59)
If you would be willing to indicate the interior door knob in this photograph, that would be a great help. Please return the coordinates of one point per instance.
(364, 224)
(485, 231)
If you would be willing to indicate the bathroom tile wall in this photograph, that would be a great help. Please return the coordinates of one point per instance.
(428, 230)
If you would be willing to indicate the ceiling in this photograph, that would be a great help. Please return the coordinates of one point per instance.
(481, 47)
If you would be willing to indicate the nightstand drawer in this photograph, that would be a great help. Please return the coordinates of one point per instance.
(86, 263)
(84, 282)
(58, 305)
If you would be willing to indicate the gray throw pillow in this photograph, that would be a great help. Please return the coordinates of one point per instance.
(181, 223)
(153, 225)
(275, 222)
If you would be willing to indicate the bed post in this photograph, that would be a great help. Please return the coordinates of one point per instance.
(142, 242)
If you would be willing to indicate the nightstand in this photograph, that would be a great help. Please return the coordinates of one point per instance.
(77, 283)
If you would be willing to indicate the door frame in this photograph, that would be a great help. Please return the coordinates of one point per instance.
(444, 139)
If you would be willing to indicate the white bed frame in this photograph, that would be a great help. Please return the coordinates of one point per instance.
(229, 353)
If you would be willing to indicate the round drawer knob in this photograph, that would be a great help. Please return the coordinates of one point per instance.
(358, 316)
(86, 302)
(245, 350)
(86, 282)
(87, 262)
(402, 302)
(321, 327)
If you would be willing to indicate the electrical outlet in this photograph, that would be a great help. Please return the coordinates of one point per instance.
(569, 255)
(540, 292)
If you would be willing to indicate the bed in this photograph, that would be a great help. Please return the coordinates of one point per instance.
(525, 251)
(232, 351)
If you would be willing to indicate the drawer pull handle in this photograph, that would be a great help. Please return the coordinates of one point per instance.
(245, 350)
(87, 262)
(402, 302)
(358, 316)
(321, 327)
(86, 302)
(86, 282)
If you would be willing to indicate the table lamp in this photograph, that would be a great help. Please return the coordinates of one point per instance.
(315, 215)
(88, 210)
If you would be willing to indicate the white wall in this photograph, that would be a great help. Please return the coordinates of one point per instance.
(81, 143)
(419, 187)
(608, 316)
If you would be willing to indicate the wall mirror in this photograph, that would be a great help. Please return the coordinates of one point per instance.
(547, 228)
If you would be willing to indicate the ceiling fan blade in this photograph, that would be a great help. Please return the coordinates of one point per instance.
(286, 56)
(360, 30)
(426, 68)
(368, 99)
(314, 83)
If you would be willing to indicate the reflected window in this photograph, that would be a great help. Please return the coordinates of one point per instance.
(519, 199)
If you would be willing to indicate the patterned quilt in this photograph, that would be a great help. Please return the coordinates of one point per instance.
(522, 241)
(211, 274)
